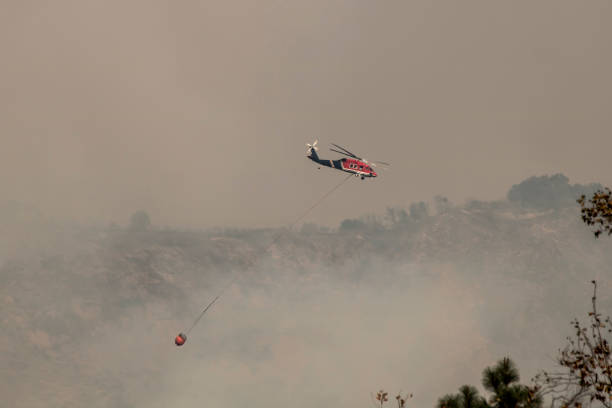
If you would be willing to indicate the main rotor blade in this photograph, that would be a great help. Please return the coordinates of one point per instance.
(383, 163)
(342, 148)
(345, 154)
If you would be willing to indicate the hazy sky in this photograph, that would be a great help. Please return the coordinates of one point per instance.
(198, 112)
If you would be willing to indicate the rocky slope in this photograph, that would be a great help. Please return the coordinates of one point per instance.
(88, 314)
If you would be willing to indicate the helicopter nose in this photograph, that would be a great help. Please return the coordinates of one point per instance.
(374, 174)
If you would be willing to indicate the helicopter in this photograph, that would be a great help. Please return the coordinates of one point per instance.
(350, 164)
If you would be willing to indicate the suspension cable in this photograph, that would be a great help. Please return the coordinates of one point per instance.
(274, 241)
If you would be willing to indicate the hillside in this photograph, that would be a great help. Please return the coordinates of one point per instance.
(399, 299)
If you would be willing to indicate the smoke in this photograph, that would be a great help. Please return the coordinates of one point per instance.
(190, 110)
(317, 339)
(415, 302)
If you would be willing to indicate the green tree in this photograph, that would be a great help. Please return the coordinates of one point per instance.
(467, 397)
(449, 401)
(501, 380)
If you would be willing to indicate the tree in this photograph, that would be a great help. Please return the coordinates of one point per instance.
(352, 224)
(140, 221)
(548, 192)
(467, 397)
(419, 211)
(502, 381)
(396, 216)
(449, 401)
(586, 362)
(442, 204)
(597, 211)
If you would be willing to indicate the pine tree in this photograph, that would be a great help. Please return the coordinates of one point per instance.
(501, 381)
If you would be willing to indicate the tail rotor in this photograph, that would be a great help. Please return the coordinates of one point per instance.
(312, 147)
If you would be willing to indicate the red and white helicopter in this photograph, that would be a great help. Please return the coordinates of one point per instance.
(351, 164)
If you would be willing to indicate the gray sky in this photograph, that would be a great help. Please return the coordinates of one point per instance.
(198, 112)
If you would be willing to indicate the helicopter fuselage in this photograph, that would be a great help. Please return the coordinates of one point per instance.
(348, 165)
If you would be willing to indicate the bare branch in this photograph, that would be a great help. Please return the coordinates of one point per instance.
(587, 360)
